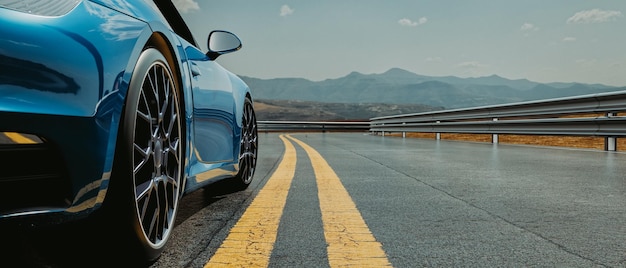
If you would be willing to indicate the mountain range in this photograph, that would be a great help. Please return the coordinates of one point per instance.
(398, 86)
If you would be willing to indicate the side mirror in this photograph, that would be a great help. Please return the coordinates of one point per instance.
(222, 42)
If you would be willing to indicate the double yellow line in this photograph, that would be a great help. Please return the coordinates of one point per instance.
(349, 240)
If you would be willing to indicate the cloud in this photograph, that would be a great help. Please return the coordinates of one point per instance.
(569, 39)
(410, 23)
(285, 10)
(185, 6)
(472, 68)
(594, 16)
(526, 27)
(471, 65)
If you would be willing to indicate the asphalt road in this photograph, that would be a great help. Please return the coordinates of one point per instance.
(426, 203)
(435, 204)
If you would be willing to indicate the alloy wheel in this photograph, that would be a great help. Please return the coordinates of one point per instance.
(249, 144)
(157, 155)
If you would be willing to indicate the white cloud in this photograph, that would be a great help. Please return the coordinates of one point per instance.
(285, 10)
(594, 16)
(185, 6)
(410, 23)
(529, 27)
(471, 65)
(472, 68)
(569, 39)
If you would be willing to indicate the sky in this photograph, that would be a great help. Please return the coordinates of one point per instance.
(541, 40)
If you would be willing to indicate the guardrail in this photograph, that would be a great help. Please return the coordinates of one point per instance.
(525, 118)
(313, 126)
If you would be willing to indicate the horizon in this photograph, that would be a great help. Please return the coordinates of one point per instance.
(442, 76)
(561, 41)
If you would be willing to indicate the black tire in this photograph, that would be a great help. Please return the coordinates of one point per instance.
(146, 183)
(248, 148)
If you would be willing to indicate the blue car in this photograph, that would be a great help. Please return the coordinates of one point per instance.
(109, 109)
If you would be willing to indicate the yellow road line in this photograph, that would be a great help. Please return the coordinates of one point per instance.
(19, 138)
(350, 242)
(251, 240)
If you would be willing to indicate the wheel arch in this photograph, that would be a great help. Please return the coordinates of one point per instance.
(160, 42)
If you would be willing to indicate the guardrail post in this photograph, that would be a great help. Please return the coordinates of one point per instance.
(404, 132)
(610, 143)
(495, 137)
(438, 135)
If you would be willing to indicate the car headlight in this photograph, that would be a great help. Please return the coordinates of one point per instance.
(41, 7)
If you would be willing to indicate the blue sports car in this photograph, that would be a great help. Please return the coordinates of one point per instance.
(109, 109)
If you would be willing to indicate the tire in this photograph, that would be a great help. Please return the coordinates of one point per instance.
(146, 183)
(248, 148)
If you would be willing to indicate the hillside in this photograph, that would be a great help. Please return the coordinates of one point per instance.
(276, 110)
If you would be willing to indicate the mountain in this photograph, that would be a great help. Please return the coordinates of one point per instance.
(398, 86)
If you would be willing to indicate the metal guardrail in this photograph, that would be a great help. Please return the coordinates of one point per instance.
(313, 126)
(598, 126)
(594, 103)
(526, 118)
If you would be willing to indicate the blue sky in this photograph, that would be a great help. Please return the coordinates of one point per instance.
(544, 41)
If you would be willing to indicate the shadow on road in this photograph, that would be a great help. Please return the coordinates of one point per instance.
(76, 244)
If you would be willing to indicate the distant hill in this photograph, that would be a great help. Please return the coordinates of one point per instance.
(276, 110)
(398, 86)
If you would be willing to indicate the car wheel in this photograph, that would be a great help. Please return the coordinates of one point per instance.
(146, 184)
(248, 148)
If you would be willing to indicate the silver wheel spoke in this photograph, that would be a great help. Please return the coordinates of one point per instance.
(146, 157)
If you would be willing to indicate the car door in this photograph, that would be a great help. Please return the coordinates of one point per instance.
(213, 109)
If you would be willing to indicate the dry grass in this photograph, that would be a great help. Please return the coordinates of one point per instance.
(596, 143)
